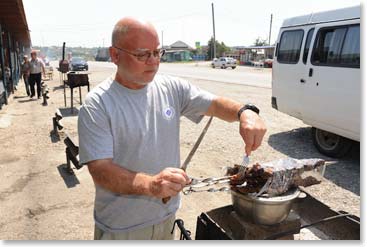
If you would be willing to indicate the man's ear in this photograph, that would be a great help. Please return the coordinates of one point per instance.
(114, 55)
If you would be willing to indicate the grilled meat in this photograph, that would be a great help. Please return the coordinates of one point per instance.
(281, 175)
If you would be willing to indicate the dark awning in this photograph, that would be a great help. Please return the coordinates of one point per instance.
(13, 20)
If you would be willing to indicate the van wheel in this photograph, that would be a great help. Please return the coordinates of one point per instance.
(331, 144)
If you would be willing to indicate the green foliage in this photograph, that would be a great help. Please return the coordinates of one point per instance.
(220, 48)
(260, 42)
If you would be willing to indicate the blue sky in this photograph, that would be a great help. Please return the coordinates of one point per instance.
(89, 23)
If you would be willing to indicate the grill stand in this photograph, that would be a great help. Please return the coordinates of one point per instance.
(75, 80)
(224, 223)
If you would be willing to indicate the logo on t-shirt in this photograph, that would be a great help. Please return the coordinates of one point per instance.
(168, 113)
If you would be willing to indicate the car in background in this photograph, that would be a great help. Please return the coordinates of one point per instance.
(268, 63)
(224, 62)
(257, 63)
(78, 64)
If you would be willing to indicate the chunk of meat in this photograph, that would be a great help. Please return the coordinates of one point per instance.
(282, 174)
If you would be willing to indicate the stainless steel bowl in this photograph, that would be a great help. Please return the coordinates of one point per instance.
(262, 210)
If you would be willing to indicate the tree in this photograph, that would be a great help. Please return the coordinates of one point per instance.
(260, 42)
(220, 48)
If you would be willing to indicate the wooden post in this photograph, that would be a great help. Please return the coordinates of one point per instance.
(3, 65)
(10, 64)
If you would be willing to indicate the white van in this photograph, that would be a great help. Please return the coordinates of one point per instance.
(316, 76)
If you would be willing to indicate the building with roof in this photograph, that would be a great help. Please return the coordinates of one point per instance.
(178, 51)
(14, 42)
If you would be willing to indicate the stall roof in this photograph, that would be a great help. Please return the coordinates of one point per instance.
(13, 19)
(254, 47)
(260, 47)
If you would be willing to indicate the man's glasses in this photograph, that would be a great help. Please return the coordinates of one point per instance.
(144, 56)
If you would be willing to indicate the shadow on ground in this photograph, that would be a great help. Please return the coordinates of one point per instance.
(20, 97)
(55, 137)
(27, 100)
(70, 180)
(69, 112)
(60, 87)
(298, 144)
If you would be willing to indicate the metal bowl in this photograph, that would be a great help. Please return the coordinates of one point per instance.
(262, 210)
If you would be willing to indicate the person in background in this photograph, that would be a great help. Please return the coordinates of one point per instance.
(37, 67)
(26, 68)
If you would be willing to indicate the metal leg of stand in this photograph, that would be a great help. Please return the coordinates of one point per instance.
(64, 93)
(72, 99)
(80, 95)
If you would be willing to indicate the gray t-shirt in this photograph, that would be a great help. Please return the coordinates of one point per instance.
(139, 130)
(36, 66)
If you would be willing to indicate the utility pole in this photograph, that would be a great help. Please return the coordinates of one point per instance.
(214, 42)
(162, 39)
(271, 22)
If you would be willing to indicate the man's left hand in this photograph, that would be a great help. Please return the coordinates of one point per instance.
(252, 130)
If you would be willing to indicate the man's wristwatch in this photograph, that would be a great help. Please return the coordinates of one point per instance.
(251, 107)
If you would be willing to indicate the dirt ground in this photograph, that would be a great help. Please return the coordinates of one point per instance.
(38, 200)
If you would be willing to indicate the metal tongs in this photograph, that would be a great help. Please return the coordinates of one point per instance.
(190, 190)
(206, 182)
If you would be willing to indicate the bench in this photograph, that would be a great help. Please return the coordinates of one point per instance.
(72, 152)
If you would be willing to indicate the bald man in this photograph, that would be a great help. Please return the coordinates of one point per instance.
(129, 136)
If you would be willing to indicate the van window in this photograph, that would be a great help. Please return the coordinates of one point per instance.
(290, 46)
(337, 46)
(307, 45)
(328, 46)
(350, 54)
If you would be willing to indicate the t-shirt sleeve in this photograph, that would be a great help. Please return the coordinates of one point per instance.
(94, 130)
(194, 102)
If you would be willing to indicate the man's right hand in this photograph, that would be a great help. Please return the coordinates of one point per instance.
(168, 182)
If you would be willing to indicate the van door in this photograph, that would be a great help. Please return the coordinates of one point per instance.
(331, 89)
(287, 67)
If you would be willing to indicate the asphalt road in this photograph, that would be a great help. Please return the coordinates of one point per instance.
(249, 76)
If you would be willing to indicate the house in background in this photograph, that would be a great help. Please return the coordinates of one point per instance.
(178, 51)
